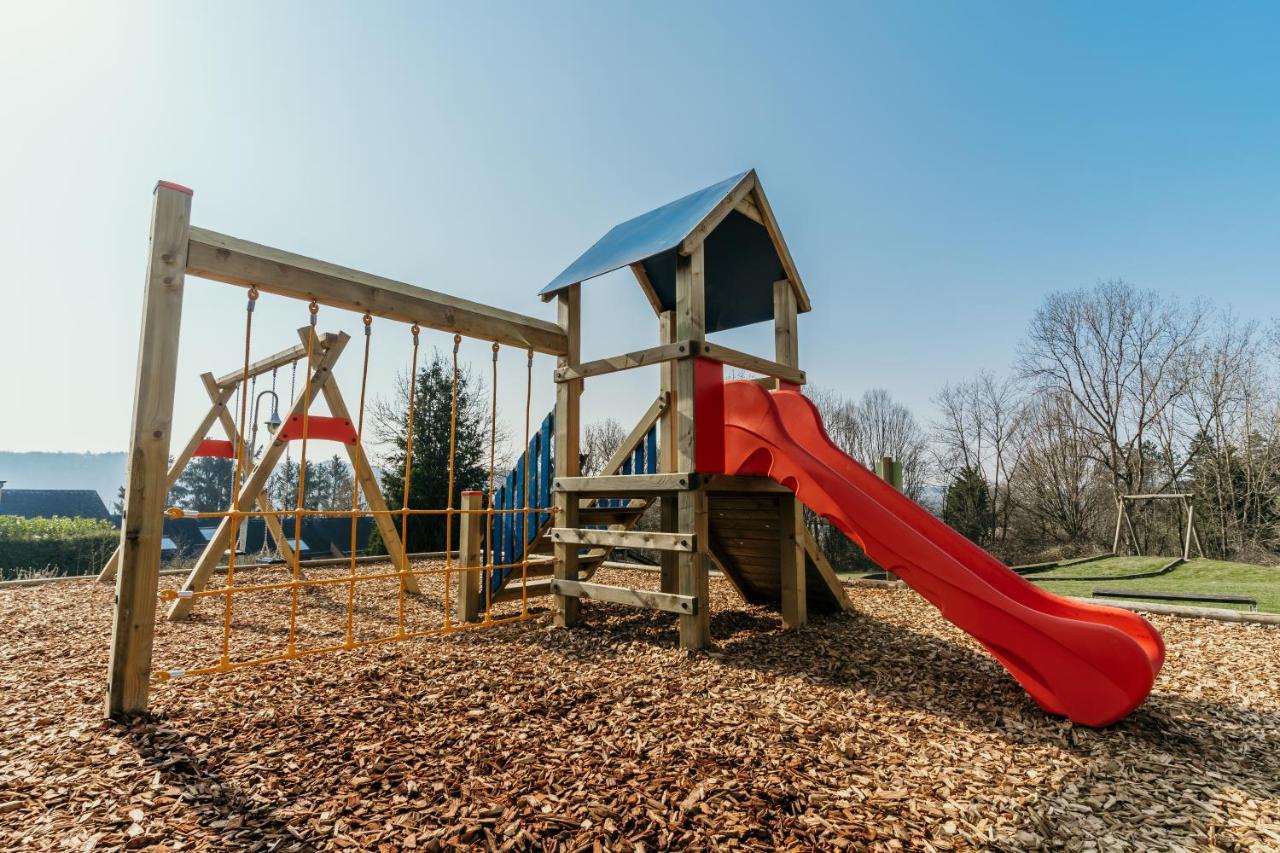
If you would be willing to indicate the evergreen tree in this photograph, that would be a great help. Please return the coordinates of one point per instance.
(205, 485)
(282, 487)
(966, 505)
(331, 488)
(429, 470)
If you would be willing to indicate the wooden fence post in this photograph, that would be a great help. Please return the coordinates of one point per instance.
(141, 530)
(469, 557)
(890, 471)
(567, 609)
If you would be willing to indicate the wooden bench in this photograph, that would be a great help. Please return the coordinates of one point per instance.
(1211, 598)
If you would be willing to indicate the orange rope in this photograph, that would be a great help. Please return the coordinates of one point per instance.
(524, 518)
(493, 439)
(235, 480)
(448, 500)
(355, 481)
(408, 467)
(314, 308)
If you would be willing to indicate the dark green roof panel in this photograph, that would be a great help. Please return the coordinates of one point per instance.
(741, 263)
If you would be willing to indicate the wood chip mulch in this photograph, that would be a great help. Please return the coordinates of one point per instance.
(886, 729)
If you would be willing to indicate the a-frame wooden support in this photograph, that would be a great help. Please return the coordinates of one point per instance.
(220, 391)
(322, 383)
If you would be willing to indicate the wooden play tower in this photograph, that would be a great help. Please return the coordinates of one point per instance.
(708, 262)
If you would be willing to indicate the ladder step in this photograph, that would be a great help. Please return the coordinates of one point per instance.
(628, 484)
(686, 542)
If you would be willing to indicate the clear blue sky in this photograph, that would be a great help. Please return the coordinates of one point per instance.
(936, 167)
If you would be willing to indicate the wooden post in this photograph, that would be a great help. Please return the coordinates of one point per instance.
(669, 506)
(134, 621)
(568, 609)
(890, 471)
(695, 628)
(469, 556)
(786, 337)
(1115, 540)
(791, 530)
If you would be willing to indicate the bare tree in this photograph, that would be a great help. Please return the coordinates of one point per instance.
(981, 428)
(1122, 356)
(875, 426)
(600, 440)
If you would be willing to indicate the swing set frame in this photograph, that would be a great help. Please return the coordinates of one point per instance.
(177, 250)
(1186, 509)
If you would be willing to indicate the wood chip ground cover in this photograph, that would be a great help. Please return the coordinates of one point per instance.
(885, 729)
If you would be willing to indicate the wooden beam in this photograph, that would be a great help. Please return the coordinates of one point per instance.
(718, 213)
(141, 531)
(683, 604)
(229, 259)
(251, 488)
(780, 246)
(271, 362)
(633, 484)
(469, 556)
(747, 207)
(786, 337)
(752, 363)
(826, 571)
(627, 361)
(694, 568)
(791, 562)
(669, 511)
(650, 292)
(567, 611)
(1155, 497)
(625, 539)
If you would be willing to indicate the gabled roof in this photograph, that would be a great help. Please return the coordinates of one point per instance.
(48, 503)
(744, 248)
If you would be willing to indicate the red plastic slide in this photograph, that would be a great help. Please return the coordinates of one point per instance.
(1090, 663)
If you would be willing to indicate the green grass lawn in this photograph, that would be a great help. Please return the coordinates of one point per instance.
(1197, 576)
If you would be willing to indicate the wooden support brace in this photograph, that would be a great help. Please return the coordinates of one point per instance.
(682, 604)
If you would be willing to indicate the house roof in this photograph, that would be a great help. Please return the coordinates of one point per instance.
(47, 503)
(744, 253)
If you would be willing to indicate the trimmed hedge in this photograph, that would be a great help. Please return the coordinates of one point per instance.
(54, 546)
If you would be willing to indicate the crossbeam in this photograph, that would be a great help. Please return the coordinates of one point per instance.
(625, 539)
(628, 484)
(666, 601)
(271, 362)
(232, 260)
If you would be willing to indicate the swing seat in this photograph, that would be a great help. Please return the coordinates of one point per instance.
(216, 447)
(318, 428)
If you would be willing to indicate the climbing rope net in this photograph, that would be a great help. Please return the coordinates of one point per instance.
(345, 582)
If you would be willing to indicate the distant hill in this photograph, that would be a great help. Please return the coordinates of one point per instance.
(102, 472)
